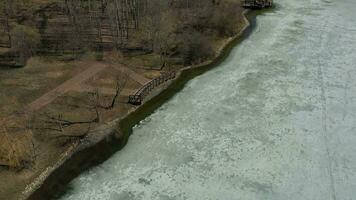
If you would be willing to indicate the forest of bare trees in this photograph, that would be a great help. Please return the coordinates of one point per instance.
(177, 29)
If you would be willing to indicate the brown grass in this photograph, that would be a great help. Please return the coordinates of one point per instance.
(16, 149)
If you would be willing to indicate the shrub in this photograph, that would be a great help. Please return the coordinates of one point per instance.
(225, 19)
(16, 149)
(25, 40)
(99, 53)
(195, 47)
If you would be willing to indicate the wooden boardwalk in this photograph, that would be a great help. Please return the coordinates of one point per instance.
(139, 96)
(257, 4)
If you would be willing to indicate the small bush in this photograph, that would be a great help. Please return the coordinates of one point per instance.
(225, 19)
(16, 149)
(25, 40)
(195, 47)
(99, 55)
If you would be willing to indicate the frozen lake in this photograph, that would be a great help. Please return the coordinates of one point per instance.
(276, 121)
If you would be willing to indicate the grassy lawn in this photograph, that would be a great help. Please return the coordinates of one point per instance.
(21, 86)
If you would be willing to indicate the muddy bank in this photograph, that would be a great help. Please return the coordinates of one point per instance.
(94, 151)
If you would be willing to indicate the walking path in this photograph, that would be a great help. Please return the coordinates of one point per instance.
(102, 90)
(137, 77)
(77, 84)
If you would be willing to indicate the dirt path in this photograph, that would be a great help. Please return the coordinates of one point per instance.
(75, 84)
(135, 76)
(65, 87)
(103, 90)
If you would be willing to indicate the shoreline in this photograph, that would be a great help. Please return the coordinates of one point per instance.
(113, 136)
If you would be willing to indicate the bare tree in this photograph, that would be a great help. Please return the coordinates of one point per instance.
(120, 85)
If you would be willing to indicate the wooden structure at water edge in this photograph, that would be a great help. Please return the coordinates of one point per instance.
(139, 96)
(257, 4)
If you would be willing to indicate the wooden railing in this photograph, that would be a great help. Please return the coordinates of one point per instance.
(257, 3)
(139, 96)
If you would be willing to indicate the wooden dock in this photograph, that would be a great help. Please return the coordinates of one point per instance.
(257, 4)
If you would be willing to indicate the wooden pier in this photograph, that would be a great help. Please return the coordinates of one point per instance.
(257, 4)
(139, 96)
